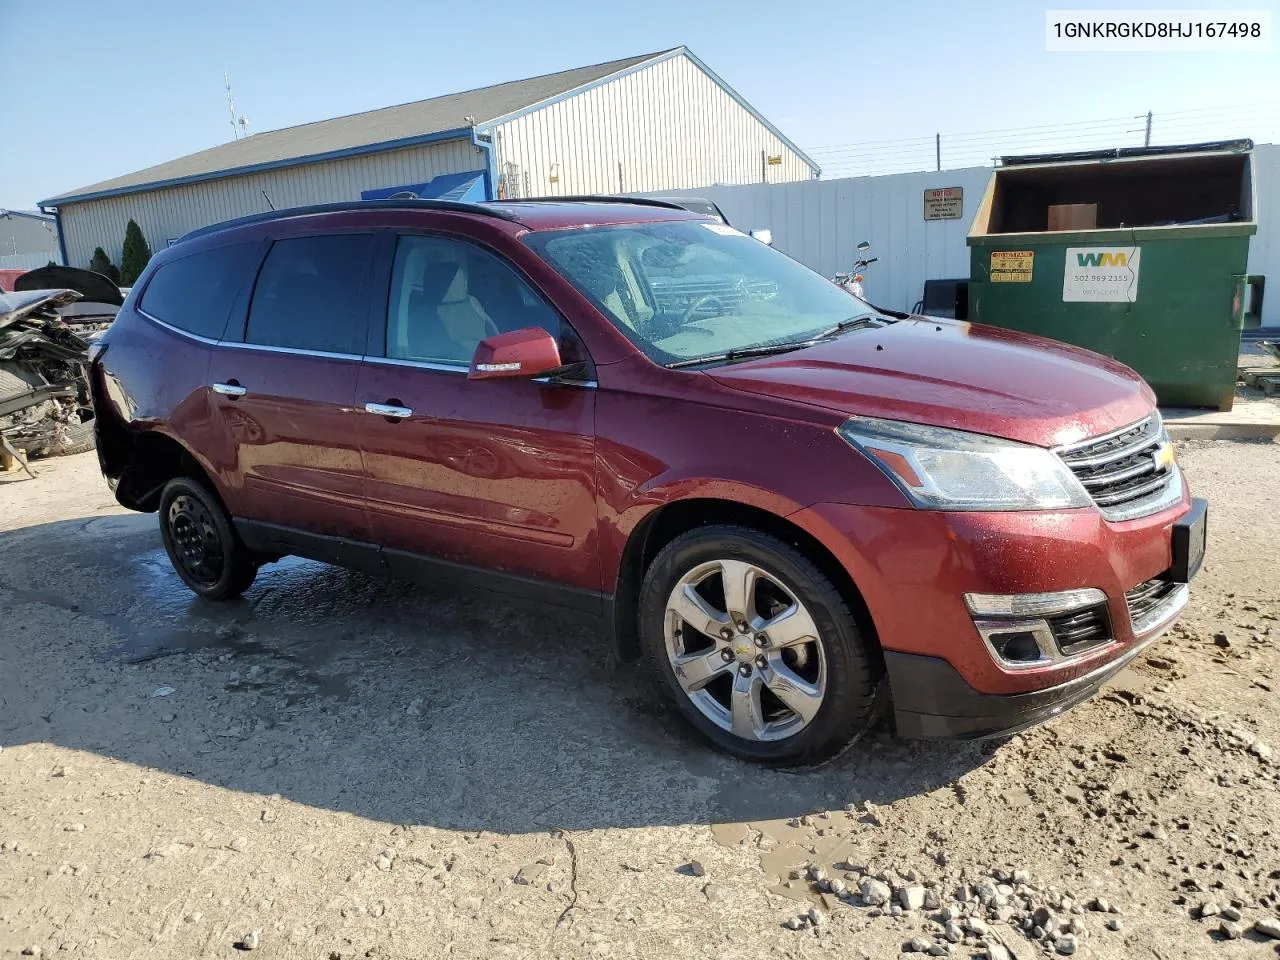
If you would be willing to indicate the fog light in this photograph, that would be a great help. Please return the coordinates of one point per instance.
(1017, 644)
(1018, 647)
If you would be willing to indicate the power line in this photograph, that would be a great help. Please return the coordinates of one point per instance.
(981, 148)
(1232, 109)
(1005, 130)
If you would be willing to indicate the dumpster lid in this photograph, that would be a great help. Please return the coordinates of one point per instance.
(1115, 153)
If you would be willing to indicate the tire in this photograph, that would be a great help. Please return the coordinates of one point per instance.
(836, 661)
(203, 546)
(80, 439)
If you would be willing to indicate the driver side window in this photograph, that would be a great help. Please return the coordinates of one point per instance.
(447, 296)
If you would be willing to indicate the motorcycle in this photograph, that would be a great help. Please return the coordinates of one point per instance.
(852, 281)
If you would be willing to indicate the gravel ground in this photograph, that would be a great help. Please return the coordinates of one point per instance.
(342, 767)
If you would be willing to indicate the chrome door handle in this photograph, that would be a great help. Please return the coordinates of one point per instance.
(388, 410)
(232, 389)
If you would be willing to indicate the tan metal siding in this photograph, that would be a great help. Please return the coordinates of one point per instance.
(26, 236)
(670, 125)
(171, 212)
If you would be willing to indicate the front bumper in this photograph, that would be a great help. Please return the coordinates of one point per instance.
(931, 699)
(913, 569)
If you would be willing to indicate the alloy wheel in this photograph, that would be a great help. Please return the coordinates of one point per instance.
(745, 650)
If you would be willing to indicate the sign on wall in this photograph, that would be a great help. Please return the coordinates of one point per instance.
(944, 203)
(1012, 266)
(1101, 275)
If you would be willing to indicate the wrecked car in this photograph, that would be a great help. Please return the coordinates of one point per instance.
(100, 299)
(45, 407)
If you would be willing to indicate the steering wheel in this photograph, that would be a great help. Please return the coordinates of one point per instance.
(696, 305)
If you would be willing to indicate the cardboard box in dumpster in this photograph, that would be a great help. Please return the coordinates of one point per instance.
(1073, 216)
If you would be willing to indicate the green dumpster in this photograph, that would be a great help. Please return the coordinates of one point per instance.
(1139, 255)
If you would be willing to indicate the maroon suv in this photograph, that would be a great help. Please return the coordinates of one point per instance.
(790, 500)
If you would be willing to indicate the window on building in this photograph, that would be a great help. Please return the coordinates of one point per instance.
(195, 293)
(447, 296)
(309, 294)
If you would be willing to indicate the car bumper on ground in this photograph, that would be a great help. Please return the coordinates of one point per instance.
(919, 573)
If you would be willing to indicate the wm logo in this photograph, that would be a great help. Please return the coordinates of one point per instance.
(1119, 259)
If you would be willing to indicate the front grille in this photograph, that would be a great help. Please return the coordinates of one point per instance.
(1125, 469)
(1145, 597)
(1079, 630)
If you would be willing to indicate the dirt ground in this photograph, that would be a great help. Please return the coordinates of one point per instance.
(342, 767)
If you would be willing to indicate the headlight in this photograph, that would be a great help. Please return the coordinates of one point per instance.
(945, 469)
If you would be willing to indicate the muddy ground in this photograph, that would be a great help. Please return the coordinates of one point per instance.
(338, 766)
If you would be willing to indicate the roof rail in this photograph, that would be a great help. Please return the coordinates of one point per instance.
(589, 198)
(483, 210)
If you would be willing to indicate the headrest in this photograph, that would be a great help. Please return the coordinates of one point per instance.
(444, 283)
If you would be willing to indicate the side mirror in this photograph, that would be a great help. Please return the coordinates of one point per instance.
(522, 354)
(764, 235)
(863, 247)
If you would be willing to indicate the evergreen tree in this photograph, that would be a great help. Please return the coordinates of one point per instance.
(134, 255)
(102, 264)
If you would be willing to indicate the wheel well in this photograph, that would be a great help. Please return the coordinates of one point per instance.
(154, 460)
(666, 523)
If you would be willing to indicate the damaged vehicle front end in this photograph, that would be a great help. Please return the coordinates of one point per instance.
(45, 406)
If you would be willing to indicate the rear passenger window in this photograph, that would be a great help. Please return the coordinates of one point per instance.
(195, 293)
(309, 294)
(447, 296)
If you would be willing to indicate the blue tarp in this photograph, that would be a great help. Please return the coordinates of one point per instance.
(463, 187)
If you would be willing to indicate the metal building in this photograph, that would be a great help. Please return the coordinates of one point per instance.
(662, 121)
(27, 240)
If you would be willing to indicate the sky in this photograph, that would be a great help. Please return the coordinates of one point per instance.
(93, 90)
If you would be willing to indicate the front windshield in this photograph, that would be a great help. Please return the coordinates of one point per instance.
(685, 289)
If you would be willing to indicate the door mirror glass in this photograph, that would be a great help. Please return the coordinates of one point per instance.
(764, 235)
(522, 354)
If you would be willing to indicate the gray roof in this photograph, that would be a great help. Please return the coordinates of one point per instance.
(388, 125)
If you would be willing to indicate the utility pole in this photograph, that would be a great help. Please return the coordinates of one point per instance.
(1147, 141)
(240, 124)
(937, 147)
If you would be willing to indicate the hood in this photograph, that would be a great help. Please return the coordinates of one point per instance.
(15, 306)
(959, 375)
(92, 286)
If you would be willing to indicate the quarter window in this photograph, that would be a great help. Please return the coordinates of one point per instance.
(310, 296)
(195, 293)
(447, 296)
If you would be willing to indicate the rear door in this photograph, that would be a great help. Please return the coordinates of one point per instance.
(491, 474)
(283, 382)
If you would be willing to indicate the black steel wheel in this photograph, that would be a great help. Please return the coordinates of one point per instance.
(201, 542)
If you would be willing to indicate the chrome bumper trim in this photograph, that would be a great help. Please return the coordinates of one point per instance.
(1162, 614)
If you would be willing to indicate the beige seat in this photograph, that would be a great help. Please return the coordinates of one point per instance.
(447, 323)
(465, 321)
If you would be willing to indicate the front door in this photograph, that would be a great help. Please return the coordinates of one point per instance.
(284, 386)
(493, 475)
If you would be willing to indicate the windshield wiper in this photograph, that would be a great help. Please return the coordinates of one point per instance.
(861, 320)
(765, 349)
(741, 352)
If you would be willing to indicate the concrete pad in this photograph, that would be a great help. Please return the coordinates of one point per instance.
(1252, 418)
